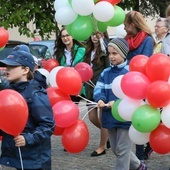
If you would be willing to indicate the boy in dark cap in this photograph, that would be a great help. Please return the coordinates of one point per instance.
(35, 140)
(40, 78)
(120, 142)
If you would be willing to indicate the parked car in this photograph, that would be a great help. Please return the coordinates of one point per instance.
(44, 48)
(11, 44)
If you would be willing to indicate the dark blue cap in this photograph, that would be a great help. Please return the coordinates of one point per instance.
(19, 58)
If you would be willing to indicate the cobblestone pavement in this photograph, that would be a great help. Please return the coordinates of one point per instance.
(82, 161)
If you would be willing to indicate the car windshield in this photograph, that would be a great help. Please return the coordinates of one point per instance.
(42, 50)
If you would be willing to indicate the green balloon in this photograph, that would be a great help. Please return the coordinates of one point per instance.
(70, 2)
(82, 28)
(118, 18)
(101, 26)
(95, 1)
(115, 112)
(2, 48)
(146, 118)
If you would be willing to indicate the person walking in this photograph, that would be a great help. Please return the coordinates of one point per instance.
(120, 142)
(141, 42)
(35, 139)
(97, 58)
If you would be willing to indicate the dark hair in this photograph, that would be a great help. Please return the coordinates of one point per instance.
(60, 46)
(89, 49)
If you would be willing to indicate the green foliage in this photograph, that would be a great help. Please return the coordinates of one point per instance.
(19, 13)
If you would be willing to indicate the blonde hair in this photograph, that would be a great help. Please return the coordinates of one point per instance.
(167, 12)
(138, 20)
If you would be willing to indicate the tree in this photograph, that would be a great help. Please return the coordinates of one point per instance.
(17, 13)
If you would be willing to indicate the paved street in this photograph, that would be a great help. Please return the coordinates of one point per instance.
(82, 161)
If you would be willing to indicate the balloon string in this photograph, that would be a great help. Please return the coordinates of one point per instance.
(85, 107)
(87, 99)
(89, 111)
(92, 85)
(20, 158)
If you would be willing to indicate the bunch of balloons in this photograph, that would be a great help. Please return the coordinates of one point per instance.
(144, 99)
(87, 16)
(63, 82)
(4, 36)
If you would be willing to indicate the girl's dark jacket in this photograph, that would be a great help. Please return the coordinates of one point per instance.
(37, 132)
(97, 69)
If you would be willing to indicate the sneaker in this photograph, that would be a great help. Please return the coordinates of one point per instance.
(142, 166)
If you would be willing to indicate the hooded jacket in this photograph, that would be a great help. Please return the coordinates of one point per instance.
(103, 91)
(37, 132)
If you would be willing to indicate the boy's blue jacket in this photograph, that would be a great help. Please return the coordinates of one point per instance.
(37, 132)
(103, 91)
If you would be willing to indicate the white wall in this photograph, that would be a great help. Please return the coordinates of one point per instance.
(14, 34)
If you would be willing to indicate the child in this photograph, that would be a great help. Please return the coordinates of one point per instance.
(118, 131)
(35, 140)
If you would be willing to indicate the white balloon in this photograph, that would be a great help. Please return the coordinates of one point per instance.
(137, 137)
(119, 31)
(116, 87)
(165, 116)
(127, 106)
(60, 3)
(65, 15)
(103, 11)
(83, 7)
(53, 74)
(45, 73)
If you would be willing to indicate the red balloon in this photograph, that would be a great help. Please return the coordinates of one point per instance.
(85, 71)
(113, 2)
(69, 81)
(158, 94)
(13, 112)
(158, 67)
(134, 85)
(159, 139)
(4, 36)
(0, 138)
(58, 131)
(65, 113)
(138, 63)
(50, 64)
(75, 138)
(55, 95)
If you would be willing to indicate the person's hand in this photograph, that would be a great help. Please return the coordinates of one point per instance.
(19, 141)
(99, 35)
(110, 104)
(101, 103)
